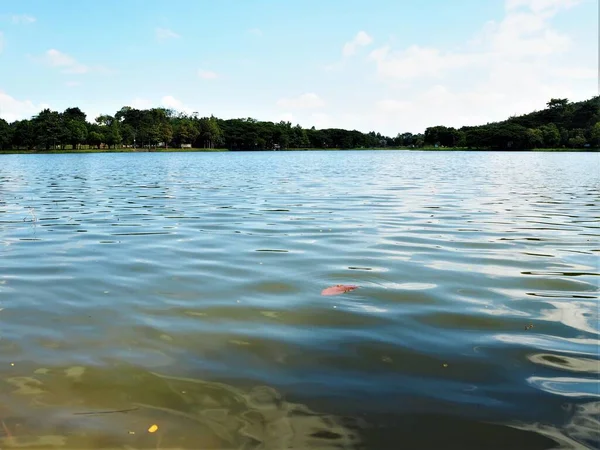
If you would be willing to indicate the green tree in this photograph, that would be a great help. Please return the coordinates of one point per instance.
(559, 103)
(211, 133)
(577, 138)
(577, 141)
(534, 138)
(23, 134)
(48, 128)
(281, 134)
(73, 127)
(461, 138)
(76, 132)
(166, 133)
(595, 135)
(124, 113)
(95, 138)
(5, 134)
(561, 124)
(127, 134)
(149, 129)
(132, 125)
(105, 120)
(301, 137)
(74, 114)
(564, 136)
(478, 137)
(109, 129)
(440, 135)
(551, 135)
(112, 135)
(185, 132)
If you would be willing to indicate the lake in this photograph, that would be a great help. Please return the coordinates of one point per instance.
(159, 300)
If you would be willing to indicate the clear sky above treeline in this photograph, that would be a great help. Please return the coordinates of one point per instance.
(384, 65)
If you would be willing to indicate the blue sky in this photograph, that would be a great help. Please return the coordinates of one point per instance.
(385, 65)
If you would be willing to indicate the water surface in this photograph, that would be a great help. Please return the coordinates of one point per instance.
(183, 290)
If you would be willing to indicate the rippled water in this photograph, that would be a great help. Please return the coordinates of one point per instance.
(184, 290)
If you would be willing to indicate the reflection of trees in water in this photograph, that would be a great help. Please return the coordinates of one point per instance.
(46, 411)
(582, 431)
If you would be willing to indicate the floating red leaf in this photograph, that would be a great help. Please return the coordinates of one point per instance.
(338, 289)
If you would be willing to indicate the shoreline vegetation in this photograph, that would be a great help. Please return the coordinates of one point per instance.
(562, 126)
(223, 150)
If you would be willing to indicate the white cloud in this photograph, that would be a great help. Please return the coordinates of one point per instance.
(520, 36)
(163, 34)
(525, 34)
(304, 101)
(168, 101)
(418, 61)
(70, 65)
(141, 103)
(510, 90)
(392, 106)
(320, 120)
(577, 73)
(207, 74)
(286, 117)
(362, 39)
(12, 109)
(512, 65)
(22, 19)
(255, 31)
(539, 6)
(333, 67)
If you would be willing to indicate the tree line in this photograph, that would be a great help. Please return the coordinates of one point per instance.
(150, 128)
(562, 124)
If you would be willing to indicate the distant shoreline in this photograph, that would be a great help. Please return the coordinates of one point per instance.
(563, 126)
(220, 150)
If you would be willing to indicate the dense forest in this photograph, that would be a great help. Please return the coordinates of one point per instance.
(562, 124)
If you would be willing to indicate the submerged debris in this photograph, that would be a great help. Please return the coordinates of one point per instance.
(338, 289)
